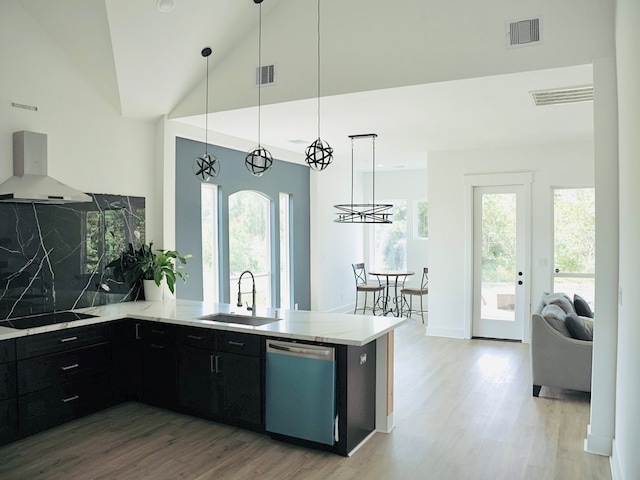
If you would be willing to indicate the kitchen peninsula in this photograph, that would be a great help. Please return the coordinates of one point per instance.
(146, 344)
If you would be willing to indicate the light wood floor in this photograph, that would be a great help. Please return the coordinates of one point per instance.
(463, 410)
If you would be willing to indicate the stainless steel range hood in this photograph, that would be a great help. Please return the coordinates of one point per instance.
(30, 182)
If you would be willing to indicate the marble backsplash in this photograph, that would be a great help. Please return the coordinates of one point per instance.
(53, 257)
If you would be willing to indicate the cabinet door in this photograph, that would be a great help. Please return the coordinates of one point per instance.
(42, 372)
(240, 383)
(127, 360)
(7, 381)
(160, 374)
(198, 390)
(8, 421)
(46, 408)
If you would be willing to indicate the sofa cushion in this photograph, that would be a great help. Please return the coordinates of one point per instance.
(582, 307)
(560, 299)
(555, 316)
(578, 328)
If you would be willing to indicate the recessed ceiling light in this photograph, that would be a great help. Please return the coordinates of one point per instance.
(165, 6)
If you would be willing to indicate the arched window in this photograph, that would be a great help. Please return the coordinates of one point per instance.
(250, 245)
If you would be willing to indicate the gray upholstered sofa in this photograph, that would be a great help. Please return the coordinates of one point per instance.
(557, 358)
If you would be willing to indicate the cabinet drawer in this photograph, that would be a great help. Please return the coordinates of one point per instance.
(7, 381)
(8, 421)
(197, 337)
(42, 372)
(7, 351)
(53, 406)
(240, 343)
(156, 332)
(61, 340)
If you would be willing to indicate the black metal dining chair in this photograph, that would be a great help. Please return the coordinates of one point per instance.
(409, 293)
(360, 275)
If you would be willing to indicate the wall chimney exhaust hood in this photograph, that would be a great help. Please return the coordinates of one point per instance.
(30, 182)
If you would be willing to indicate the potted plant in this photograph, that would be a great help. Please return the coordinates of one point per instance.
(147, 266)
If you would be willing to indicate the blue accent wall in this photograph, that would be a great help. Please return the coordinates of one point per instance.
(283, 177)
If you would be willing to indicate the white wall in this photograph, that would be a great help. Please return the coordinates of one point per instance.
(625, 460)
(90, 146)
(559, 165)
(334, 246)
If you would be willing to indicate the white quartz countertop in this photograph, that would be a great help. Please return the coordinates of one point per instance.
(337, 328)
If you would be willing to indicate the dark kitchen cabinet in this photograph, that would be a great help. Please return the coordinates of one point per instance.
(220, 375)
(127, 360)
(8, 402)
(62, 375)
(356, 397)
(160, 365)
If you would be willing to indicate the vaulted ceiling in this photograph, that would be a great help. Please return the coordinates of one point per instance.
(421, 75)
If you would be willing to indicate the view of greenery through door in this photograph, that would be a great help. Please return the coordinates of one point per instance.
(250, 245)
(574, 243)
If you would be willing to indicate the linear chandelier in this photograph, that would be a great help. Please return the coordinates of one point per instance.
(364, 212)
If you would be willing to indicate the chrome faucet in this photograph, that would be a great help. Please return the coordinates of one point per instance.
(253, 292)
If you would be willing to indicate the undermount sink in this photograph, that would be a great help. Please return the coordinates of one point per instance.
(238, 319)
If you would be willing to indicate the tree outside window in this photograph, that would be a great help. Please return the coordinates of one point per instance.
(390, 240)
(421, 219)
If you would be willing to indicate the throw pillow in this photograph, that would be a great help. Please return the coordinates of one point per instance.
(578, 328)
(589, 323)
(555, 316)
(560, 299)
(582, 307)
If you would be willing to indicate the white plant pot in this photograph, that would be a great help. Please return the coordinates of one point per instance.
(152, 292)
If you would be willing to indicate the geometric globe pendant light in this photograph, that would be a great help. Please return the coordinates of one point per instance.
(259, 160)
(319, 154)
(206, 166)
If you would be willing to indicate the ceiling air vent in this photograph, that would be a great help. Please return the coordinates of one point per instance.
(524, 33)
(265, 75)
(559, 96)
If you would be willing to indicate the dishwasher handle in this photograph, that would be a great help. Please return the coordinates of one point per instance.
(299, 350)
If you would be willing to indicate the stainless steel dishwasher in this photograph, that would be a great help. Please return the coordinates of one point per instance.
(301, 391)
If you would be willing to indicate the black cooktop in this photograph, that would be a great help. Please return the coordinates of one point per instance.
(43, 319)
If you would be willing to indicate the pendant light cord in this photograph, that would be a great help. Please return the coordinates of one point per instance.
(206, 114)
(319, 69)
(259, 67)
(373, 177)
(352, 173)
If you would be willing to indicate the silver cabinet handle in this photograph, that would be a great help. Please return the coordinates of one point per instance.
(211, 369)
(195, 337)
(159, 332)
(68, 339)
(236, 344)
(70, 399)
(69, 367)
(217, 363)
(137, 331)
(160, 347)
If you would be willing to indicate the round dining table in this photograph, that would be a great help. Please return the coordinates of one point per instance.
(392, 279)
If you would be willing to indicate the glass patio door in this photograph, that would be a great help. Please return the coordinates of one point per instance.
(498, 251)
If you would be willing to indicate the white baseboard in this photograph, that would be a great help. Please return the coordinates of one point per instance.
(614, 461)
(445, 332)
(598, 444)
